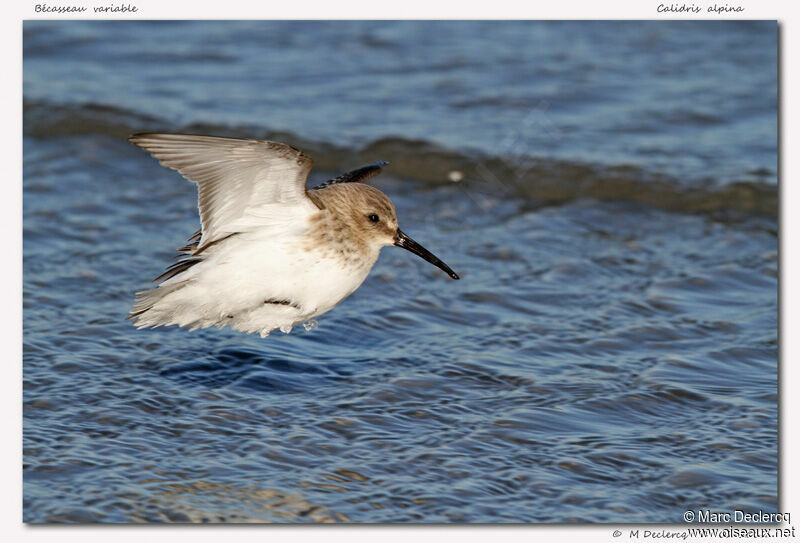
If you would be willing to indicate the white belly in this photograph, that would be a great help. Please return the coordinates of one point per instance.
(258, 285)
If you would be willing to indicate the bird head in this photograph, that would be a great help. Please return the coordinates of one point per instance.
(371, 217)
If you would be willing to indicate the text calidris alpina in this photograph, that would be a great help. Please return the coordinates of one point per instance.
(270, 254)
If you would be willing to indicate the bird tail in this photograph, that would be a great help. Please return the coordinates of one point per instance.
(146, 300)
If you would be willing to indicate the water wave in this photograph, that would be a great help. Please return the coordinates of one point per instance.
(542, 180)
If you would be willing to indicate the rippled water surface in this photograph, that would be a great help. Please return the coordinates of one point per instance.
(601, 360)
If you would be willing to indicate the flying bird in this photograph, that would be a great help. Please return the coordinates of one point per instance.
(270, 253)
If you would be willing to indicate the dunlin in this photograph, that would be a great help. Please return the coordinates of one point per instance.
(270, 253)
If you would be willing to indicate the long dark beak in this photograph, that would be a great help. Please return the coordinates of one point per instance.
(402, 240)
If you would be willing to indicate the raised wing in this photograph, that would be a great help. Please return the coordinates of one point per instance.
(358, 175)
(236, 178)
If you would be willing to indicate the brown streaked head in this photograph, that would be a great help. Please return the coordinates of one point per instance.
(370, 218)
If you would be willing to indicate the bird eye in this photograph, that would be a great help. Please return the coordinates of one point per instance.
(374, 218)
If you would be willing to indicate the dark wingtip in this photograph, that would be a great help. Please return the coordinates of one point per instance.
(359, 175)
(136, 138)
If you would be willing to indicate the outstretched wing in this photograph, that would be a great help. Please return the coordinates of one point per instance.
(236, 178)
(358, 175)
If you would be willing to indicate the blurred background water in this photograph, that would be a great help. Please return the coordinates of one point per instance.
(610, 354)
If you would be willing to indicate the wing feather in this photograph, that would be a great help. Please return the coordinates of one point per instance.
(236, 178)
(359, 175)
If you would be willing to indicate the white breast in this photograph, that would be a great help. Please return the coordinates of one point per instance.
(257, 284)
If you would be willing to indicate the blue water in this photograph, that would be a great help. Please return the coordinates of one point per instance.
(610, 354)
(695, 100)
